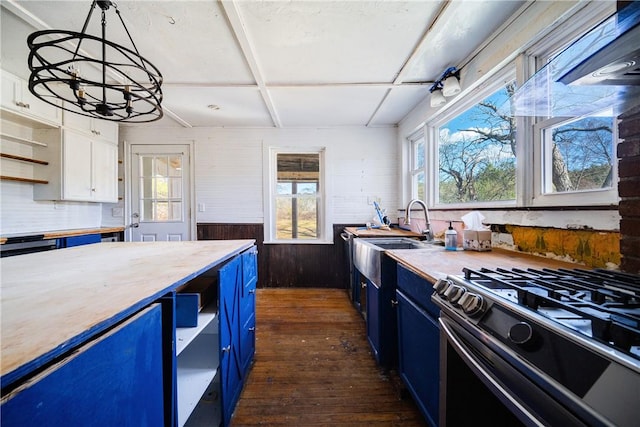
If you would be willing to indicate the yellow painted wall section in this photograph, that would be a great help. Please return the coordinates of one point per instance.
(596, 249)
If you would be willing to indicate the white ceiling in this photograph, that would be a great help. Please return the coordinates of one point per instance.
(281, 63)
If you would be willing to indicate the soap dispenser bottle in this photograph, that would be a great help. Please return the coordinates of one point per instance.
(450, 239)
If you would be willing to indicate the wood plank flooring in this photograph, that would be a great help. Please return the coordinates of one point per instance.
(313, 366)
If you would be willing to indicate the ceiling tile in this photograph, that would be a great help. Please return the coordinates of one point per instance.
(326, 106)
(462, 27)
(398, 103)
(238, 107)
(335, 41)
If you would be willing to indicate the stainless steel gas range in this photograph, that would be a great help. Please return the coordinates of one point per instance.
(539, 347)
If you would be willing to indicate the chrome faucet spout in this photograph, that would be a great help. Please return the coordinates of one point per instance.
(407, 217)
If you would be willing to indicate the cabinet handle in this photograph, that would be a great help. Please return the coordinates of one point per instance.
(252, 329)
(226, 349)
(394, 303)
(93, 189)
(27, 106)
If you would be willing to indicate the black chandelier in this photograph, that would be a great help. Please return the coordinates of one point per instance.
(119, 85)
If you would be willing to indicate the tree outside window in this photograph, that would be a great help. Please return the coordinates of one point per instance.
(477, 153)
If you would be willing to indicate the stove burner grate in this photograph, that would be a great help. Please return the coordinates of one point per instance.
(609, 301)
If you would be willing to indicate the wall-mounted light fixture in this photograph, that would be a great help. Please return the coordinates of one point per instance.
(447, 85)
(117, 84)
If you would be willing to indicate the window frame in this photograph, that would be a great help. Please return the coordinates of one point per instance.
(413, 141)
(541, 54)
(596, 196)
(432, 139)
(528, 151)
(270, 192)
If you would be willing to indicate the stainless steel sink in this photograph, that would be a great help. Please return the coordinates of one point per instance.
(368, 253)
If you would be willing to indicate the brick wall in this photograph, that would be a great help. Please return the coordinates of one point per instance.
(629, 189)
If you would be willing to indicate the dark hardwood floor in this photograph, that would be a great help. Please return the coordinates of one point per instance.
(313, 366)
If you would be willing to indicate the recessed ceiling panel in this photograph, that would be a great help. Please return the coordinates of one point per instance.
(326, 106)
(335, 41)
(218, 107)
(462, 27)
(400, 101)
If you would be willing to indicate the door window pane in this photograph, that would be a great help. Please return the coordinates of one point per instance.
(161, 188)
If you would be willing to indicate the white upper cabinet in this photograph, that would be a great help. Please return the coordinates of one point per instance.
(95, 128)
(81, 168)
(15, 98)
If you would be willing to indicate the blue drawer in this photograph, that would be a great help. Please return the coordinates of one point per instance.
(418, 289)
(85, 239)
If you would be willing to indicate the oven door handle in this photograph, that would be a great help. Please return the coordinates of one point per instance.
(478, 366)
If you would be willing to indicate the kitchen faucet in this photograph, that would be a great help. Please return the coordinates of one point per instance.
(407, 218)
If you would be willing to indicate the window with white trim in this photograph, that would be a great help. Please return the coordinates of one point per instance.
(475, 157)
(418, 171)
(296, 197)
(475, 149)
(574, 154)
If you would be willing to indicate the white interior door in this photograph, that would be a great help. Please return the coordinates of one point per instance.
(160, 193)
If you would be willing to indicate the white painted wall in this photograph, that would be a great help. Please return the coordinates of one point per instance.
(362, 164)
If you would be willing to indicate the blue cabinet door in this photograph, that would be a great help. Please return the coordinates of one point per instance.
(374, 321)
(115, 380)
(248, 308)
(418, 351)
(230, 289)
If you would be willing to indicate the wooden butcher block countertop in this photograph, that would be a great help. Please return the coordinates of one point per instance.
(53, 300)
(436, 263)
(380, 232)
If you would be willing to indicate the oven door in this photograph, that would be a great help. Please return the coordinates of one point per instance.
(478, 386)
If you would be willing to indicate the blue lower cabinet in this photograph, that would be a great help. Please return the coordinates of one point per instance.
(418, 343)
(116, 380)
(86, 239)
(237, 281)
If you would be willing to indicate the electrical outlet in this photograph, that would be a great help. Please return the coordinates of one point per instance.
(201, 207)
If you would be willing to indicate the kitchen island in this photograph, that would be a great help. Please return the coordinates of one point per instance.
(56, 303)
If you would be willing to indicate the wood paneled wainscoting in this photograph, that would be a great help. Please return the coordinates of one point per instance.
(287, 266)
(313, 367)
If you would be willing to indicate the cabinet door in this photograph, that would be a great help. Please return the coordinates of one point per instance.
(11, 89)
(419, 350)
(76, 167)
(373, 318)
(116, 380)
(104, 179)
(230, 288)
(248, 308)
(39, 109)
(16, 97)
(94, 128)
(105, 129)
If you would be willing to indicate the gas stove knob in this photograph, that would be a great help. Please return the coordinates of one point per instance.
(453, 293)
(441, 286)
(471, 303)
(520, 333)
